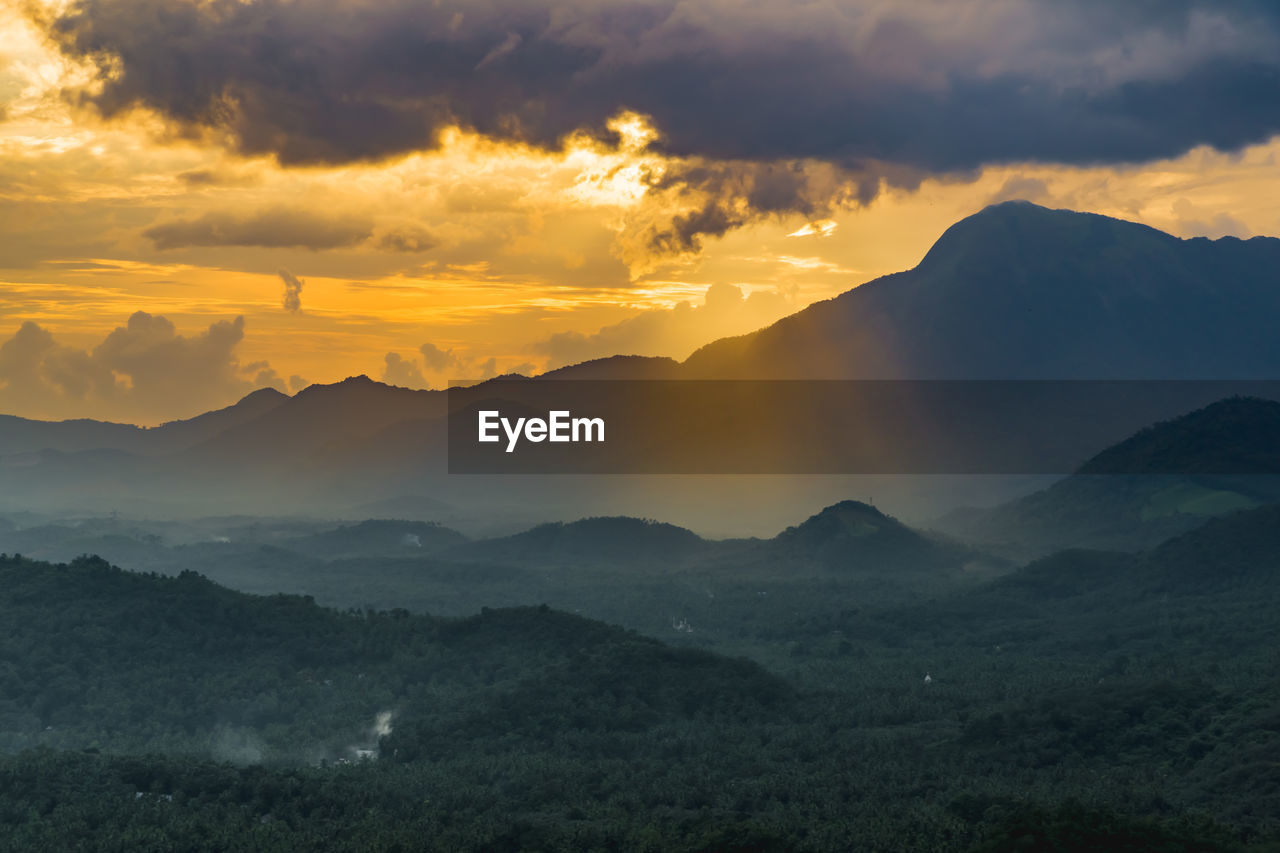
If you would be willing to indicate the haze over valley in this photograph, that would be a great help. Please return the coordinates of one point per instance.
(927, 361)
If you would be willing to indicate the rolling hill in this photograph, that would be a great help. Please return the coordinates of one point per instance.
(592, 540)
(1124, 498)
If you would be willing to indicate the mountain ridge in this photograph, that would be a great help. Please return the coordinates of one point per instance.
(1019, 291)
(1122, 498)
(1016, 291)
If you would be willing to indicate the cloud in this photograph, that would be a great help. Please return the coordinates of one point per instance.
(197, 178)
(143, 371)
(674, 332)
(282, 227)
(694, 198)
(274, 228)
(292, 301)
(264, 375)
(939, 87)
(437, 359)
(200, 178)
(1020, 188)
(33, 365)
(402, 372)
(444, 364)
(410, 238)
(1192, 221)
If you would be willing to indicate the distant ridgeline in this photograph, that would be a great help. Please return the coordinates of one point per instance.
(1123, 497)
(1014, 292)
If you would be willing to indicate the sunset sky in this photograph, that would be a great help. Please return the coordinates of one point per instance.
(295, 191)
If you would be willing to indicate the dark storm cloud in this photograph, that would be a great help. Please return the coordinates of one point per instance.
(274, 228)
(731, 194)
(283, 227)
(292, 300)
(930, 85)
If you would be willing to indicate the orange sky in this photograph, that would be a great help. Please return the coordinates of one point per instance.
(501, 257)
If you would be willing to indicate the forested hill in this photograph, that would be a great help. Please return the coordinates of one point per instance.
(102, 658)
(852, 535)
(182, 715)
(600, 540)
(1228, 454)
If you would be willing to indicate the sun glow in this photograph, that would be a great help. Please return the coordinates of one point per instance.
(495, 246)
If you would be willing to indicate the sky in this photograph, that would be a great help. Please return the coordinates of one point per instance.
(202, 197)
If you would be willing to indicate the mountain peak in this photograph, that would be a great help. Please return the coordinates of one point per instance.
(848, 507)
(618, 367)
(620, 538)
(1008, 229)
(856, 535)
(262, 395)
(360, 382)
(1020, 291)
(847, 518)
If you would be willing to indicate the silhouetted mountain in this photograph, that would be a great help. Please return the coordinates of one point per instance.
(612, 540)
(1015, 291)
(23, 435)
(619, 367)
(1114, 501)
(1018, 291)
(18, 435)
(178, 435)
(319, 419)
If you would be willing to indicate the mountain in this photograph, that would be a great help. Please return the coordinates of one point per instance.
(592, 540)
(21, 435)
(1015, 291)
(1240, 435)
(619, 367)
(854, 536)
(850, 537)
(178, 435)
(317, 420)
(1018, 291)
(1123, 498)
(1239, 548)
(1234, 559)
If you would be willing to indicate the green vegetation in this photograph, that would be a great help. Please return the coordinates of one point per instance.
(1162, 481)
(850, 684)
(1089, 698)
(1192, 499)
